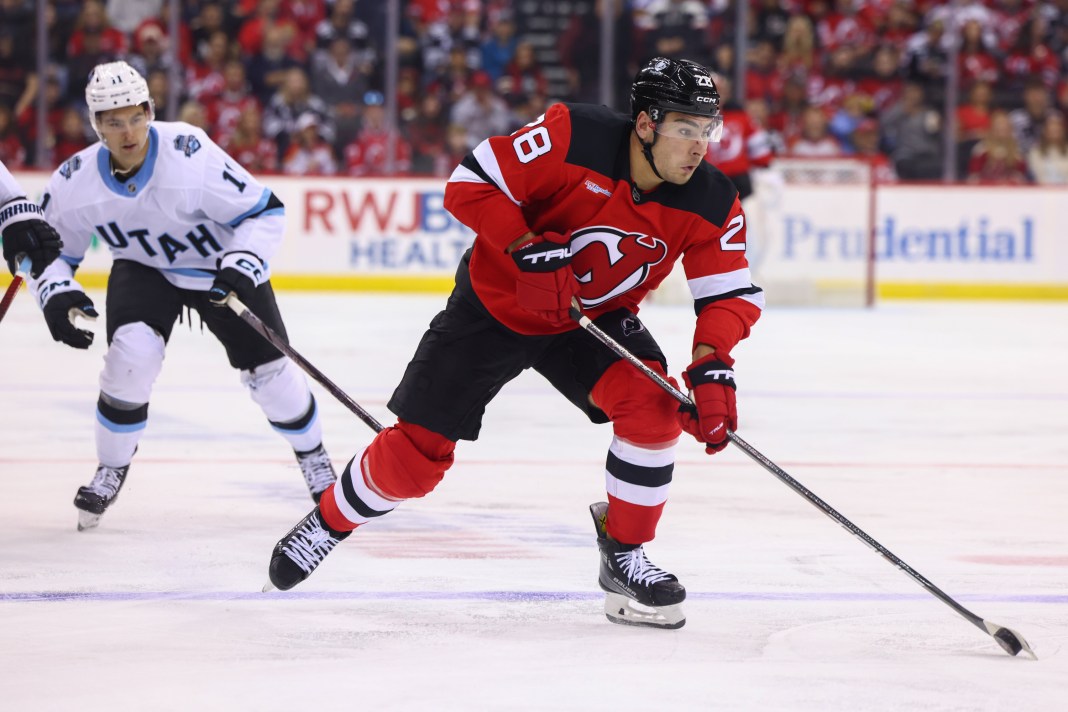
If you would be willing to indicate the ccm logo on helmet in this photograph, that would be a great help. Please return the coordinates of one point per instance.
(705, 99)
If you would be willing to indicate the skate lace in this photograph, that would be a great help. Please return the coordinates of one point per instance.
(638, 568)
(317, 470)
(106, 482)
(310, 545)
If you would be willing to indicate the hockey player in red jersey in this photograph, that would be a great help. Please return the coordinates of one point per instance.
(583, 203)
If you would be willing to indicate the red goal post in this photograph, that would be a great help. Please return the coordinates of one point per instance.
(810, 233)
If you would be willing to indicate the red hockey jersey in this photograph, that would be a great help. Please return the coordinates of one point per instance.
(570, 171)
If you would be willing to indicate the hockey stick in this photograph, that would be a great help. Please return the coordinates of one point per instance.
(279, 343)
(1009, 640)
(13, 288)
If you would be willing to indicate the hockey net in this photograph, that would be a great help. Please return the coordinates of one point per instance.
(810, 234)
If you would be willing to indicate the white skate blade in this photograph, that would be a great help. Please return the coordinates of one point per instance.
(267, 587)
(622, 610)
(87, 520)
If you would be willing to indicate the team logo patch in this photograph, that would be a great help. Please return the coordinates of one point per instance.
(608, 261)
(594, 188)
(631, 325)
(68, 168)
(187, 145)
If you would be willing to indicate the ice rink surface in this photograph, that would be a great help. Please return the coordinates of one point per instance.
(940, 429)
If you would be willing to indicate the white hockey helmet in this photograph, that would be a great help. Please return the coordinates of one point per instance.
(114, 85)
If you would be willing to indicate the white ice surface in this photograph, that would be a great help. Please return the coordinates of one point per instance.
(940, 429)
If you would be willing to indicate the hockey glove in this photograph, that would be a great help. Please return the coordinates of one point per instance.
(239, 273)
(59, 313)
(25, 234)
(711, 383)
(546, 285)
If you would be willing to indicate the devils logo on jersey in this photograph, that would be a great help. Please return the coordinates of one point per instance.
(608, 262)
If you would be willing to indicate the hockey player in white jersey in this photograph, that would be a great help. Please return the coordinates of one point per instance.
(24, 232)
(186, 226)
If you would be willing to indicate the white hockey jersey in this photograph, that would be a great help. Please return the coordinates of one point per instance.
(188, 205)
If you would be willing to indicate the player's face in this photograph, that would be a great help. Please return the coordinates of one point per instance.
(125, 133)
(682, 143)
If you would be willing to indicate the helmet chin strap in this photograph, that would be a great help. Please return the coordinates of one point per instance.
(647, 151)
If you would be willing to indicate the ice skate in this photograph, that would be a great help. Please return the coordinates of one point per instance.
(318, 471)
(94, 499)
(636, 591)
(300, 551)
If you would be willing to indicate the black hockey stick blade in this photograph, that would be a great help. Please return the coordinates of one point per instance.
(279, 343)
(1009, 640)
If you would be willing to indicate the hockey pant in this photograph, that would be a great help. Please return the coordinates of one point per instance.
(407, 460)
(134, 361)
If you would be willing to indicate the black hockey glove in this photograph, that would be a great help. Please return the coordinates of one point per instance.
(26, 234)
(59, 313)
(239, 273)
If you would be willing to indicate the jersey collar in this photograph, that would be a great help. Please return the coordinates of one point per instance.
(132, 186)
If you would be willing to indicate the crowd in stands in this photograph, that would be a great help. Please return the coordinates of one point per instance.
(297, 87)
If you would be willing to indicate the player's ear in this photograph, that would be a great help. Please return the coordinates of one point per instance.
(644, 126)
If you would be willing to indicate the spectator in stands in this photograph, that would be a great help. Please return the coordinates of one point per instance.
(499, 48)
(771, 21)
(210, 19)
(224, 108)
(150, 50)
(71, 137)
(842, 26)
(675, 29)
(881, 80)
(523, 77)
(340, 77)
(308, 153)
(293, 99)
(205, 77)
(581, 58)
(1048, 157)
(786, 120)
(159, 88)
(744, 144)
(973, 121)
(997, 160)
(763, 80)
(976, 61)
(814, 140)
(454, 150)
(913, 131)
(126, 15)
(1032, 56)
(854, 108)
(427, 135)
(483, 113)
(457, 30)
(192, 112)
(926, 57)
(799, 55)
(268, 69)
(838, 79)
(368, 155)
(1027, 121)
(268, 15)
(93, 23)
(451, 80)
(865, 142)
(247, 144)
(26, 120)
(18, 81)
(12, 152)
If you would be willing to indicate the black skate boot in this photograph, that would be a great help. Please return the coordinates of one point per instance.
(318, 471)
(297, 554)
(636, 591)
(93, 500)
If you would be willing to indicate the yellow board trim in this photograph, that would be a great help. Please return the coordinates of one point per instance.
(973, 291)
(434, 284)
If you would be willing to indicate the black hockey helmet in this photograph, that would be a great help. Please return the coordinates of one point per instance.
(664, 85)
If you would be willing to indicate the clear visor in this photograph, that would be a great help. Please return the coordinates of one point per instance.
(692, 128)
(114, 123)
